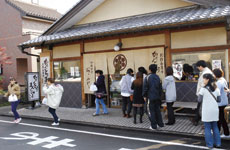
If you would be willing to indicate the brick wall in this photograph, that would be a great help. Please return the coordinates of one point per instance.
(10, 37)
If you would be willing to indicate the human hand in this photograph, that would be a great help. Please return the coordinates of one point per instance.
(145, 99)
(227, 90)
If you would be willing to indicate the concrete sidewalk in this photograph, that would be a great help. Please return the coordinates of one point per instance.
(183, 125)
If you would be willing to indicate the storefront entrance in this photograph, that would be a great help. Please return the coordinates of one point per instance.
(115, 64)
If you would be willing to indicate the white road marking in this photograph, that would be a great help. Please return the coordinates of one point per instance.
(110, 135)
(34, 136)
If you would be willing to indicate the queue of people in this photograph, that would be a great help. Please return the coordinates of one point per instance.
(146, 90)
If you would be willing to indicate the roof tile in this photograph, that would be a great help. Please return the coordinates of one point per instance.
(35, 10)
(152, 20)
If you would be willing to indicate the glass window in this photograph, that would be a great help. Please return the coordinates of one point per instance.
(213, 59)
(67, 70)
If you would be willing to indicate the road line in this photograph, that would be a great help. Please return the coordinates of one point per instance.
(109, 135)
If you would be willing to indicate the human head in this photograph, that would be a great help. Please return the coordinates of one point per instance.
(139, 78)
(218, 73)
(50, 81)
(201, 64)
(209, 80)
(169, 71)
(139, 75)
(130, 71)
(12, 80)
(153, 68)
(142, 70)
(99, 72)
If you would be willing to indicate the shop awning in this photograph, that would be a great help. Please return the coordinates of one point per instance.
(152, 21)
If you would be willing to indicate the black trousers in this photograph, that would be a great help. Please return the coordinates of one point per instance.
(155, 114)
(198, 117)
(126, 102)
(222, 122)
(171, 116)
(53, 113)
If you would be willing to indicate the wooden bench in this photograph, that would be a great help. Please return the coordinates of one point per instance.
(227, 113)
(180, 106)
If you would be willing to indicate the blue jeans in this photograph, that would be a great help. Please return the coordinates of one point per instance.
(14, 106)
(53, 113)
(212, 139)
(97, 102)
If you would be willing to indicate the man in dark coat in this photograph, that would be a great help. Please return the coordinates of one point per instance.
(152, 92)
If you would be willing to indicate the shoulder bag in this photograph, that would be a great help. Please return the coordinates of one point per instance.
(12, 98)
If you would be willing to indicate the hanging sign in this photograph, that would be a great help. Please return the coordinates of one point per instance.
(33, 86)
(216, 64)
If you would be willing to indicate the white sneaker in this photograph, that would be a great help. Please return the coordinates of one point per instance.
(55, 124)
(152, 128)
(18, 120)
(59, 119)
(224, 136)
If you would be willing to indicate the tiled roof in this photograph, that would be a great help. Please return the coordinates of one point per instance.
(158, 20)
(35, 10)
(210, 3)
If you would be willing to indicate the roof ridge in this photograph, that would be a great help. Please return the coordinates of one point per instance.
(20, 1)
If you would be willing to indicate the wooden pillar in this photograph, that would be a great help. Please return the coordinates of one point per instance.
(228, 42)
(168, 48)
(82, 75)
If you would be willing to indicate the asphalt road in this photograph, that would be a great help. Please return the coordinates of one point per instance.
(39, 135)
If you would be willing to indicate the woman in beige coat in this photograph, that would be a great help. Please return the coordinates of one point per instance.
(14, 89)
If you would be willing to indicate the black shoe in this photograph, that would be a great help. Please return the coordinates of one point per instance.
(141, 121)
(169, 124)
(217, 146)
(94, 114)
(195, 123)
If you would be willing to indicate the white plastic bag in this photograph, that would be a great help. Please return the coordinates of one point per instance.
(13, 98)
(44, 101)
(93, 88)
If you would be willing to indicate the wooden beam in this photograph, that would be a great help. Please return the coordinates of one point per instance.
(168, 48)
(197, 49)
(124, 49)
(82, 49)
(66, 58)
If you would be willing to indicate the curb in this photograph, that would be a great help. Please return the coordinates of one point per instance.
(90, 124)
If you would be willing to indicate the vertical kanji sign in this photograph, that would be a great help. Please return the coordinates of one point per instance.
(33, 86)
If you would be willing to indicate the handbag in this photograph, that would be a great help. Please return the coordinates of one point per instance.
(44, 101)
(93, 88)
(12, 98)
(100, 95)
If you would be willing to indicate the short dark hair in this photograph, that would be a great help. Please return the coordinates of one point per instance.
(51, 80)
(218, 73)
(153, 68)
(99, 72)
(142, 70)
(201, 63)
(129, 71)
(169, 71)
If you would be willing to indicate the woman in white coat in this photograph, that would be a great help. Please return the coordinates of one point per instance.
(54, 94)
(209, 95)
(169, 86)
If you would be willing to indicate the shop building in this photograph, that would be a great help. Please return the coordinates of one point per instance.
(164, 32)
